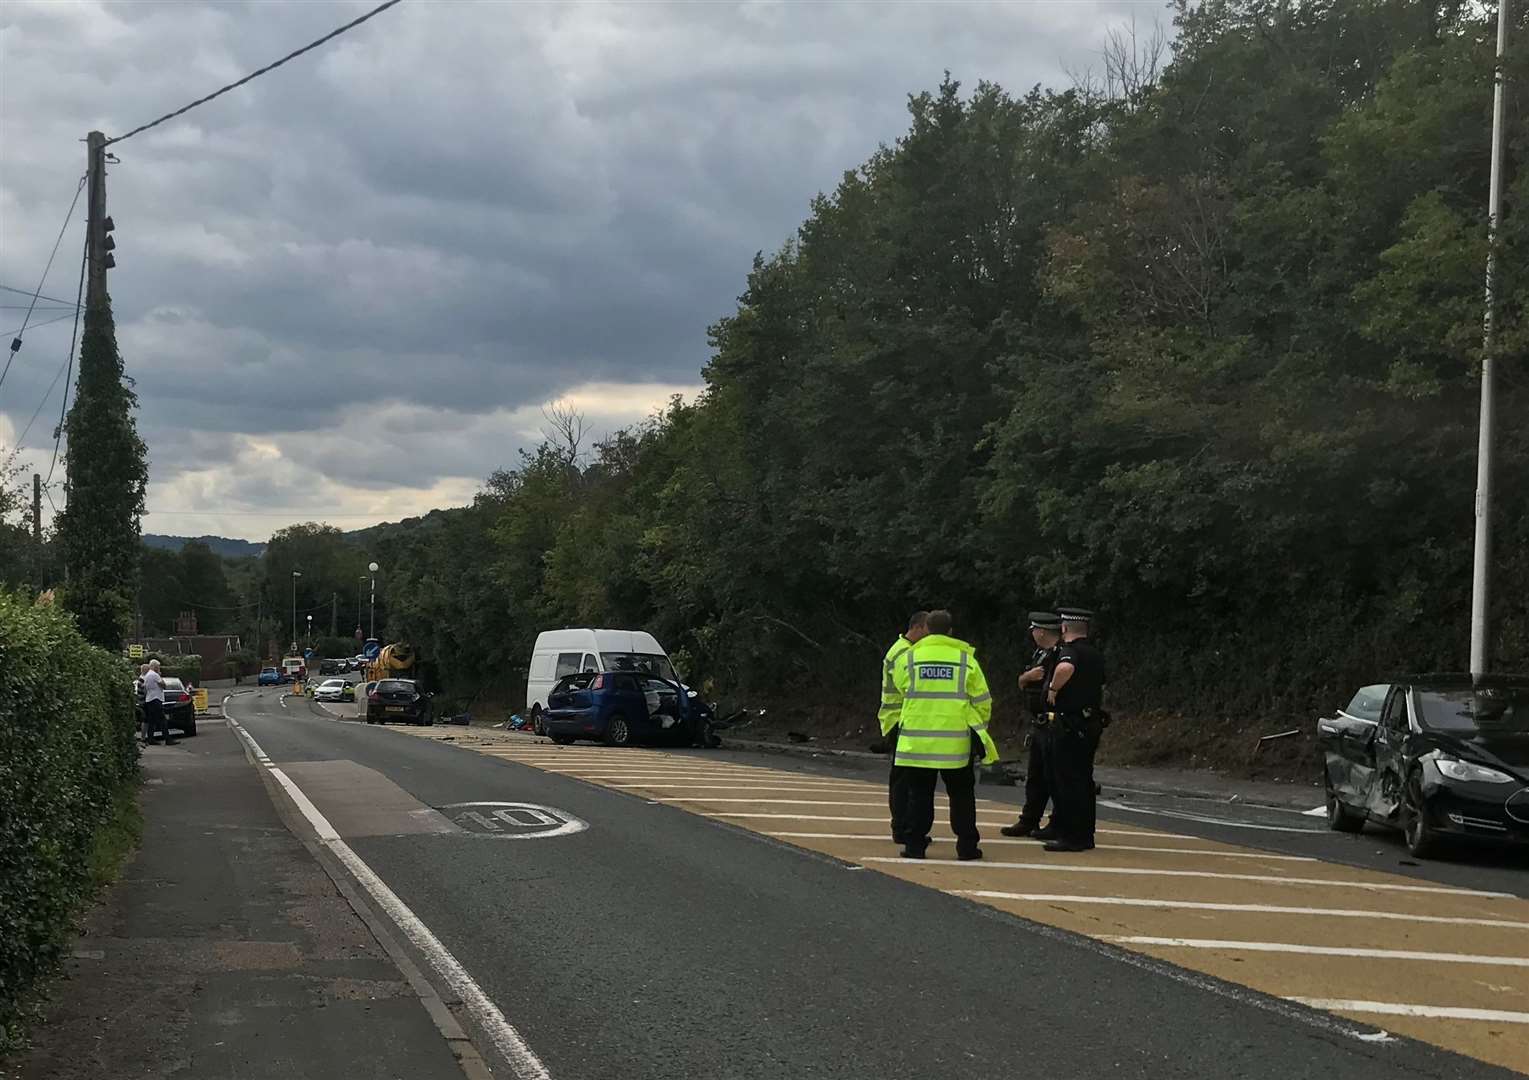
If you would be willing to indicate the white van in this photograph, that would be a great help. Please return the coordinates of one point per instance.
(567, 652)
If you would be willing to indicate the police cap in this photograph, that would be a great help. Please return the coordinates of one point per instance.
(1045, 620)
(1075, 614)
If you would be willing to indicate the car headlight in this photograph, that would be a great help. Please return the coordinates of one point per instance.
(1466, 771)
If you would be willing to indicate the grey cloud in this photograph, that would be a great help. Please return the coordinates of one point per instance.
(468, 209)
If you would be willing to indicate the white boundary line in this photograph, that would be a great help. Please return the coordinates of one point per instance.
(1261, 909)
(1037, 843)
(1141, 871)
(1321, 950)
(1204, 819)
(506, 1039)
(1394, 1008)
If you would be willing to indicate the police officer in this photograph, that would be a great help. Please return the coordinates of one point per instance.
(945, 709)
(1046, 634)
(1076, 703)
(891, 709)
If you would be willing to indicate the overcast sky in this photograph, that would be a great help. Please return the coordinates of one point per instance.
(347, 290)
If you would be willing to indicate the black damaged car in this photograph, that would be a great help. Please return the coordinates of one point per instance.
(1439, 757)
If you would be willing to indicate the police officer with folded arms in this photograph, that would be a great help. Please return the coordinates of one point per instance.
(891, 712)
(1046, 634)
(945, 711)
(1075, 700)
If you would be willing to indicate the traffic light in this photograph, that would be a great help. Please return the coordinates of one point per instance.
(107, 243)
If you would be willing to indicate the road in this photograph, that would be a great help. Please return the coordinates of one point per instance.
(652, 913)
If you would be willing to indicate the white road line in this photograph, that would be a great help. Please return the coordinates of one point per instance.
(997, 807)
(883, 821)
(1203, 819)
(1319, 811)
(1101, 847)
(1142, 871)
(1259, 909)
(1323, 950)
(506, 1039)
(741, 785)
(1396, 1008)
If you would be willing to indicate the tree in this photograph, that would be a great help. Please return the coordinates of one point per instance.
(107, 478)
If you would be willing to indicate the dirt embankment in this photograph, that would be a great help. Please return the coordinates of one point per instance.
(1226, 745)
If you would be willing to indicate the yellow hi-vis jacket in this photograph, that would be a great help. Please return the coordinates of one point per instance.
(891, 696)
(945, 701)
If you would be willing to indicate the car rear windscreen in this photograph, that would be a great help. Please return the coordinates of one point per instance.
(644, 663)
(1485, 710)
(393, 686)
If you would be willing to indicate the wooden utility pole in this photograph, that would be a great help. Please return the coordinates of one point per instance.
(334, 614)
(98, 241)
(37, 510)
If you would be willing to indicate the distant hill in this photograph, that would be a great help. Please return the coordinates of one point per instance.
(366, 537)
(221, 545)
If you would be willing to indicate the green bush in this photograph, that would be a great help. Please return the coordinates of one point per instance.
(68, 751)
(186, 667)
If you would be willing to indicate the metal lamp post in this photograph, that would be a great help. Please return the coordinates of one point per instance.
(372, 622)
(295, 575)
(310, 629)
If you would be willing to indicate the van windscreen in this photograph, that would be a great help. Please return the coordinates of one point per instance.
(646, 663)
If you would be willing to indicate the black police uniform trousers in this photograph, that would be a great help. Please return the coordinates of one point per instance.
(897, 793)
(918, 786)
(1037, 775)
(1074, 742)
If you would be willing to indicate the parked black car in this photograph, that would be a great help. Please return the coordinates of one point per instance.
(1445, 756)
(397, 699)
(331, 667)
(180, 706)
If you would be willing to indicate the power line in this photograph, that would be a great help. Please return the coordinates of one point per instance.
(58, 432)
(45, 322)
(378, 10)
(28, 292)
(16, 344)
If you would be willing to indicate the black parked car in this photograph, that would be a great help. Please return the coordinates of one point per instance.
(397, 699)
(1443, 756)
(331, 667)
(180, 706)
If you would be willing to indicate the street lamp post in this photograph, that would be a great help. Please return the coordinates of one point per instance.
(310, 629)
(372, 628)
(295, 575)
(1481, 570)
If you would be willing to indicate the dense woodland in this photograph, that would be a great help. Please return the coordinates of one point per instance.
(1194, 343)
(1198, 348)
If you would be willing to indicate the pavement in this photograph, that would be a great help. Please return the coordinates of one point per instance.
(587, 912)
(226, 950)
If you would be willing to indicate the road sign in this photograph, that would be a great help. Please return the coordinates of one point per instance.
(135, 652)
(514, 820)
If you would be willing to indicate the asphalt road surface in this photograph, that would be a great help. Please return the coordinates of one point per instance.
(645, 913)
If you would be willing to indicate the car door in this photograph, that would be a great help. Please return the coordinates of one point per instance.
(1390, 755)
(1347, 742)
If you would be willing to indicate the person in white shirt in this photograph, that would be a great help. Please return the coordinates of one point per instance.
(154, 705)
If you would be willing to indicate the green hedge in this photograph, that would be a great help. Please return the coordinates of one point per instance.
(187, 667)
(68, 750)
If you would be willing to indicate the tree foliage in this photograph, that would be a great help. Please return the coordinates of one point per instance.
(108, 476)
(1198, 346)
